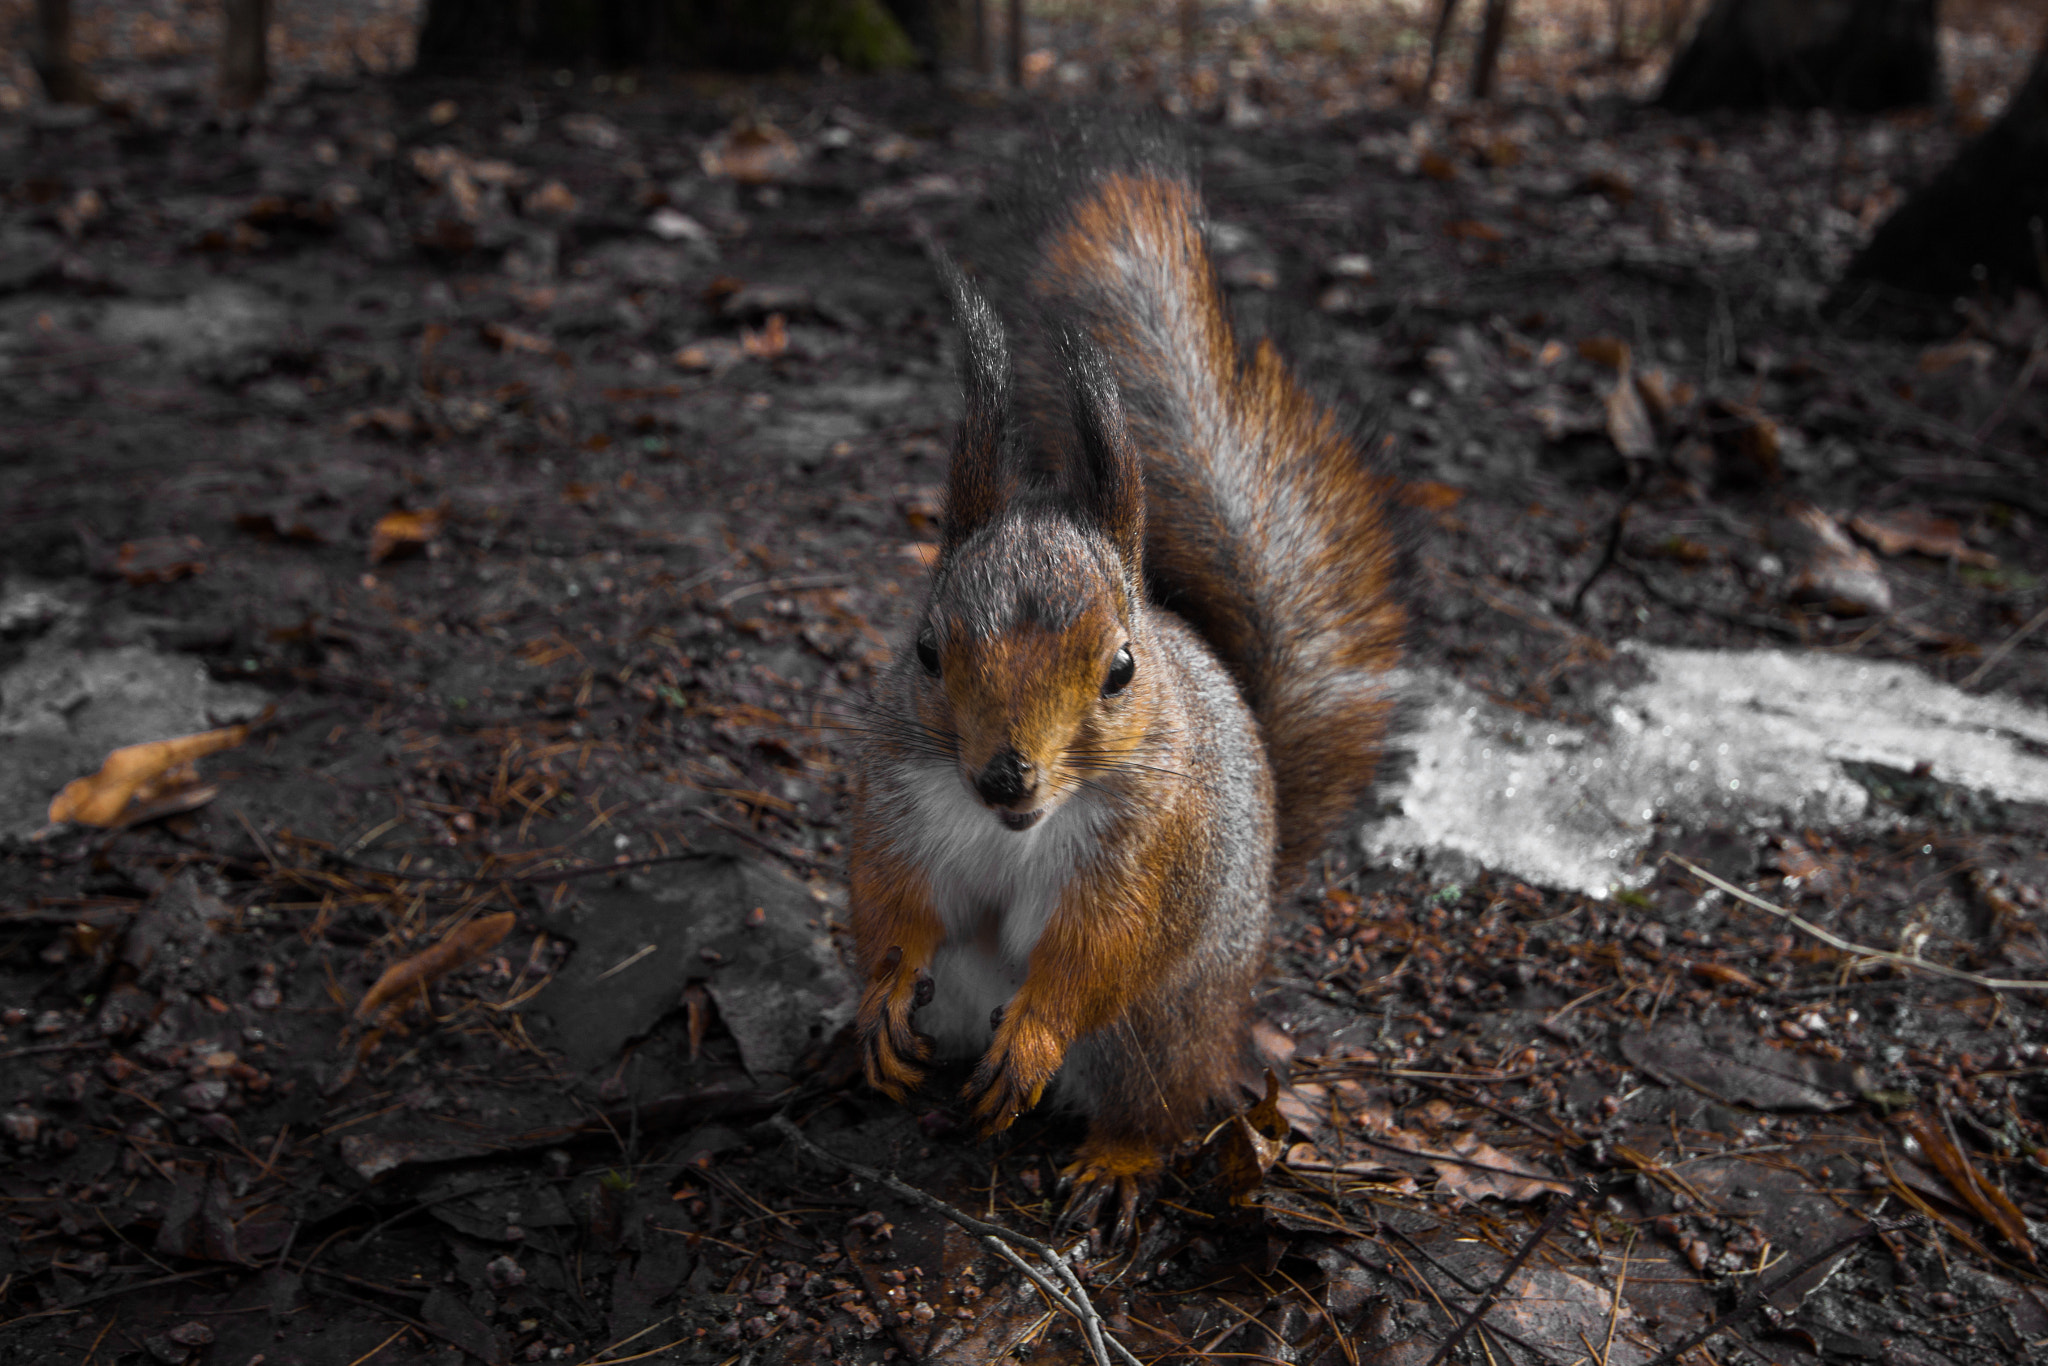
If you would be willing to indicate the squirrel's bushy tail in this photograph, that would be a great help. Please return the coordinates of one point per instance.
(1267, 526)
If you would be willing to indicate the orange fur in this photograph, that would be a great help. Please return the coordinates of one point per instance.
(1090, 849)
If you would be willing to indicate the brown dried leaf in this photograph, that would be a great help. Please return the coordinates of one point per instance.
(771, 341)
(1251, 1143)
(1915, 531)
(1628, 421)
(753, 152)
(1485, 1170)
(146, 772)
(1746, 443)
(1611, 352)
(1837, 574)
(392, 422)
(464, 944)
(1992, 1204)
(503, 337)
(1968, 351)
(552, 200)
(159, 559)
(1472, 230)
(398, 530)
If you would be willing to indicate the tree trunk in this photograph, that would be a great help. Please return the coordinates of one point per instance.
(463, 35)
(1983, 222)
(244, 52)
(1493, 31)
(64, 81)
(1862, 55)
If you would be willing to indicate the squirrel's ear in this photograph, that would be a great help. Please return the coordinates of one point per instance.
(1109, 477)
(979, 483)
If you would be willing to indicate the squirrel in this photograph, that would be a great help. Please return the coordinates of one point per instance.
(1150, 680)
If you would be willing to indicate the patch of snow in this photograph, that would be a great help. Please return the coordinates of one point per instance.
(1745, 738)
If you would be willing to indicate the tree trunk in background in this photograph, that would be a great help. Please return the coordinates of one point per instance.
(244, 52)
(1861, 55)
(1983, 222)
(463, 35)
(1493, 31)
(63, 80)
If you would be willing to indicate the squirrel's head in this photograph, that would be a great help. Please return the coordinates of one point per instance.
(1031, 656)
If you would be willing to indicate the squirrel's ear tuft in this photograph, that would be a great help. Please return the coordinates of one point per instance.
(1109, 478)
(980, 483)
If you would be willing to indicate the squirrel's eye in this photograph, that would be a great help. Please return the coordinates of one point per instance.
(928, 652)
(1121, 670)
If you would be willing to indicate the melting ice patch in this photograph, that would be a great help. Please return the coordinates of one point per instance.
(1712, 737)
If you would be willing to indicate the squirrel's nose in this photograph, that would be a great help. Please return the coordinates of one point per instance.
(1006, 780)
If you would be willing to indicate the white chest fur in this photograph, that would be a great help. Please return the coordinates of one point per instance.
(995, 889)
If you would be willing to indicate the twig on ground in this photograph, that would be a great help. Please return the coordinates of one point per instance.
(1582, 1191)
(1608, 555)
(1073, 1298)
(2005, 647)
(1835, 941)
(1759, 1292)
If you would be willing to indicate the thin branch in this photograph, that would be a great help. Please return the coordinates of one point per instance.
(1835, 941)
(1072, 1298)
(1582, 1191)
(2006, 647)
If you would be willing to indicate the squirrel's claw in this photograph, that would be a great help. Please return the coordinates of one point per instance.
(1012, 1075)
(890, 1047)
(1126, 1169)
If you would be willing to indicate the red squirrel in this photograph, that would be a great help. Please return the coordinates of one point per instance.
(1151, 679)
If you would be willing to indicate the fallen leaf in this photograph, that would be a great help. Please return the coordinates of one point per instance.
(1251, 1143)
(1746, 444)
(1611, 183)
(593, 130)
(1969, 351)
(552, 200)
(1472, 230)
(507, 338)
(1437, 166)
(1835, 573)
(715, 354)
(1963, 1176)
(158, 559)
(146, 772)
(1482, 1170)
(923, 190)
(673, 225)
(768, 343)
(1628, 420)
(398, 530)
(753, 152)
(1611, 352)
(391, 422)
(464, 944)
(1913, 531)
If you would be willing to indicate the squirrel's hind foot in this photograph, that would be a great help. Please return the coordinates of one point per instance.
(1103, 1167)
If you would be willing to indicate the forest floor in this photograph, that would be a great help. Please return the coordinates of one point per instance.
(538, 471)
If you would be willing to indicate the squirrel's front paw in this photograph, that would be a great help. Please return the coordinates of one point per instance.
(1012, 1074)
(890, 1048)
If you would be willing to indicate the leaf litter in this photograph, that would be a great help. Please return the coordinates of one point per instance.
(620, 498)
